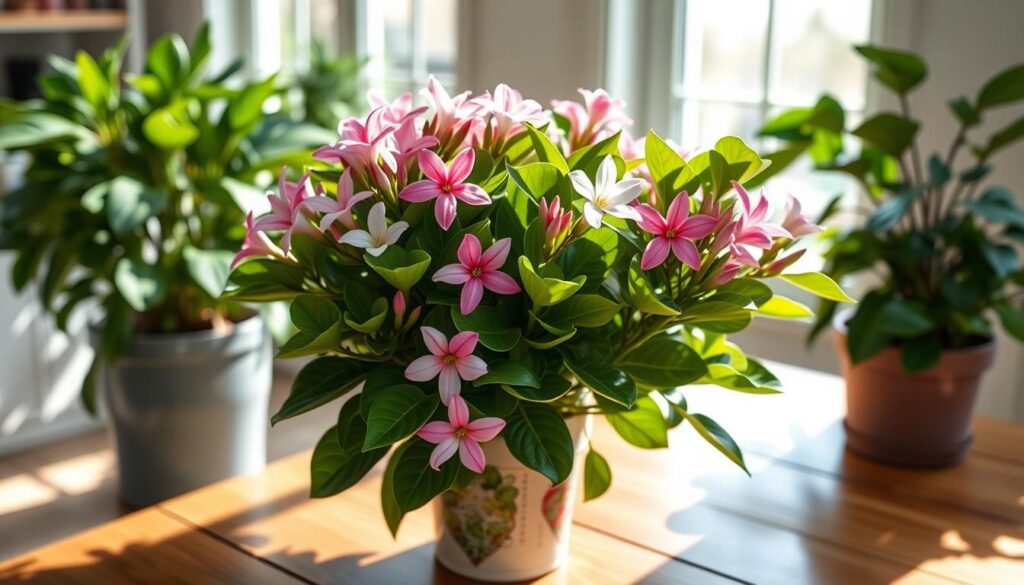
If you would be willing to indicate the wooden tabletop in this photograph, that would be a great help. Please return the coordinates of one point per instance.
(811, 513)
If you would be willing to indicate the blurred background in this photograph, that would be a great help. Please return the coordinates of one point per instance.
(694, 70)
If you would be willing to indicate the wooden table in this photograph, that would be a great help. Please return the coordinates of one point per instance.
(812, 513)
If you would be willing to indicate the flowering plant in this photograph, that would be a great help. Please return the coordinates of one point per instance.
(483, 267)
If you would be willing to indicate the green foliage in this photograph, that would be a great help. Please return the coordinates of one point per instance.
(134, 168)
(944, 244)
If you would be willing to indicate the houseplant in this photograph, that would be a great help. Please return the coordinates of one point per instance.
(943, 246)
(131, 206)
(484, 276)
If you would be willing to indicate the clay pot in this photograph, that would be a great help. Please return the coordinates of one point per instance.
(919, 419)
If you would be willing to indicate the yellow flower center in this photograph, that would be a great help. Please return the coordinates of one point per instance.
(476, 272)
(447, 188)
(460, 432)
(670, 234)
(450, 359)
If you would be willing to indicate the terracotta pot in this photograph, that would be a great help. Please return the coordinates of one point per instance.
(920, 419)
(510, 523)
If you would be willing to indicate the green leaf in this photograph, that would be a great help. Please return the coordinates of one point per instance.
(169, 127)
(88, 391)
(264, 280)
(539, 179)
(597, 476)
(967, 114)
(714, 434)
(208, 268)
(400, 268)
(379, 379)
(1001, 257)
(371, 324)
(396, 413)
(642, 294)
(727, 376)
(582, 310)
(142, 286)
(546, 150)
(719, 316)
(1005, 137)
(898, 70)
(663, 362)
(818, 284)
(510, 373)
(1005, 88)
(642, 426)
(920, 353)
(997, 204)
(665, 164)
(756, 291)
(32, 129)
(319, 323)
(546, 291)
(491, 324)
(744, 162)
(1012, 319)
(597, 373)
(779, 307)
(902, 318)
(409, 482)
(92, 81)
(247, 109)
(866, 336)
(537, 436)
(130, 204)
(168, 59)
(591, 256)
(320, 381)
(890, 133)
(338, 461)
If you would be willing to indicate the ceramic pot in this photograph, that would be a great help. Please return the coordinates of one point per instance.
(919, 419)
(510, 523)
(188, 409)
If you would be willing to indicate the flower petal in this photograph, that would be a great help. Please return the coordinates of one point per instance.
(484, 429)
(443, 452)
(495, 256)
(433, 167)
(581, 182)
(458, 412)
(472, 455)
(592, 214)
(678, 211)
(452, 274)
(625, 191)
(652, 221)
(471, 194)
(655, 253)
(606, 174)
(500, 283)
(375, 221)
(420, 191)
(435, 341)
(624, 212)
(395, 231)
(448, 384)
(424, 368)
(377, 251)
(461, 166)
(463, 344)
(469, 251)
(437, 431)
(358, 238)
(472, 292)
(470, 367)
(686, 252)
(697, 227)
(444, 210)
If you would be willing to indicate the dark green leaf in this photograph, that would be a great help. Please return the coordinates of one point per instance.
(509, 373)
(537, 436)
(1005, 88)
(142, 286)
(320, 381)
(338, 461)
(714, 434)
(396, 413)
(663, 362)
(898, 70)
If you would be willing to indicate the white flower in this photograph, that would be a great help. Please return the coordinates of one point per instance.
(607, 196)
(379, 236)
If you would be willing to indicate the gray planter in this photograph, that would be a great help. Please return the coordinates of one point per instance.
(189, 409)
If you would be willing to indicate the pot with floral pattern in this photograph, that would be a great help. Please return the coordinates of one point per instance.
(509, 523)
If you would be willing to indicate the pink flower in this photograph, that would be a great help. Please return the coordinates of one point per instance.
(287, 210)
(459, 434)
(794, 222)
(255, 243)
(780, 264)
(362, 146)
(446, 185)
(674, 232)
(477, 271)
(727, 272)
(339, 209)
(392, 113)
(752, 231)
(599, 115)
(554, 220)
(451, 114)
(449, 362)
(398, 303)
(510, 111)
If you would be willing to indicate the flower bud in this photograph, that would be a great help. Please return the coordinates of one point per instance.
(777, 266)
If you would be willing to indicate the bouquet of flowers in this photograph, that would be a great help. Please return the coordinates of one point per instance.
(481, 267)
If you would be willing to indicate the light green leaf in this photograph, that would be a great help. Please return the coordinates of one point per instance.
(143, 286)
(400, 268)
(779, 307)
(818, 284)
(208, 268)
(642, 426)
(597, 476)
(130, 204)
(546, 292)
(714, 434)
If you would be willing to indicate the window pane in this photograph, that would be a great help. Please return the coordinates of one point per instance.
(724, 52)
(439, 21)
(398, 49)
(324, 24)
(705, 123)
(812, 51)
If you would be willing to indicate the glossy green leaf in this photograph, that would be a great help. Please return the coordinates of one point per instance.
(597, 475)
(338, 461)
(400, 268)
(779, 307)
(662, 362)
(546, 291)
(718, 438)
(409, 482)
(1005, 88)
(208, 268)
(818, 284)
(642, 426)
(396, 413)
(597, 373)
(546, 150)
(537, 436)
(582, 310)
(491, 323)
(509, 373)
(322, 380)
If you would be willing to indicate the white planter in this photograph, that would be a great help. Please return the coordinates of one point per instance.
(510, 524)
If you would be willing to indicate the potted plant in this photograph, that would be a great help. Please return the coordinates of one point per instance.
(943, 248)
(132, 205)
(481, 276)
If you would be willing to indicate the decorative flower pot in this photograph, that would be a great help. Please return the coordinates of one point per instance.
(188, 409)
(510, 523)
(920, 419)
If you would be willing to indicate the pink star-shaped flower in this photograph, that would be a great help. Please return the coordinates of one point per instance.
(446, 185)
(478, 270)
(450, 362)
(674, 232)
(460, 434)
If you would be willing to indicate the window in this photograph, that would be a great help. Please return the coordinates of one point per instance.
(408, 40)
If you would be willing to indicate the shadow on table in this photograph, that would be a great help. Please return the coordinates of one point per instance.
(799, 518)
